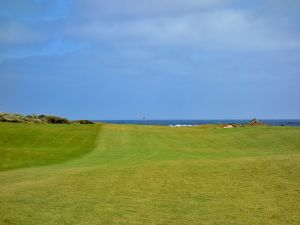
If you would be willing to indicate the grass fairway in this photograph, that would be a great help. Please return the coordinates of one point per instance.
(126, 174)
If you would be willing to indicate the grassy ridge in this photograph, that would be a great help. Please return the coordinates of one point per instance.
(28, 145)
(139, 143)
(163, 175)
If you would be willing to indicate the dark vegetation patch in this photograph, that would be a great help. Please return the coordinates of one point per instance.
(252, 123)
(18, 118)
(82, 122)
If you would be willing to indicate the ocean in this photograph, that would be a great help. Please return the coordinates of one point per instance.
(277, 122)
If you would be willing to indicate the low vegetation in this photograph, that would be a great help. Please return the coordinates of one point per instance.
(18, 118)
(129, 174)
(252, 123)
(82, 122)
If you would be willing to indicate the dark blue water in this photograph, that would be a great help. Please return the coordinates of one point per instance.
(278, 122)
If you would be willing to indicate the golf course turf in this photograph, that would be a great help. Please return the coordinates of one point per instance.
(132, 174)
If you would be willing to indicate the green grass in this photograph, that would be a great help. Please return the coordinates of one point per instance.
(126, 174)
(29, 145)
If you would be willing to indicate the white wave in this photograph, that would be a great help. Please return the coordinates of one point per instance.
(182, 125)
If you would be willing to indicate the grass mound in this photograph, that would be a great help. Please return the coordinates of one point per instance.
(29, 145)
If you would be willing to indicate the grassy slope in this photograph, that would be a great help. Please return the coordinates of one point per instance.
(29, 145)
(161, 175)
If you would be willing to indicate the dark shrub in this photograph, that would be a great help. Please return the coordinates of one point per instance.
(56, 119)
(256, 122)
(83, 122)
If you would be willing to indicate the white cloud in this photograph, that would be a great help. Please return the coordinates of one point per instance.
(221, 29)
(95, 8)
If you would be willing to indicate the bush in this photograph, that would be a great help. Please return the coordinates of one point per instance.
(83, 122)
(17, 118)
(56, 119)
(255, 122)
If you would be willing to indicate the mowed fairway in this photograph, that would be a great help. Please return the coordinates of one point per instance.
(126, 174)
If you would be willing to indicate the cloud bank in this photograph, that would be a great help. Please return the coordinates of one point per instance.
(163, 57)
(199, 24)
(216, 30)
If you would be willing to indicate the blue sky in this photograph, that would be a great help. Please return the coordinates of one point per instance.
(160, 59)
